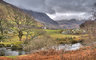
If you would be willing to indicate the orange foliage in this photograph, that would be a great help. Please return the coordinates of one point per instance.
(5, 58)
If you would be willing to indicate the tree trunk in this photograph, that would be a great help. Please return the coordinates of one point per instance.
(27, 36)
(20, 35)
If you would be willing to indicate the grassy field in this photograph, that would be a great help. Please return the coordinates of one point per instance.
(52, 31)
(58, 34)
(65, 38)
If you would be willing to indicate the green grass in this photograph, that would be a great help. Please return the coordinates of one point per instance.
(16, 43)
(52, 31)
(13, 57)
(58, 34)
(62, 35)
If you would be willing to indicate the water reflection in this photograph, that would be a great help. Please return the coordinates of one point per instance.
(8, 52)
(68, 47)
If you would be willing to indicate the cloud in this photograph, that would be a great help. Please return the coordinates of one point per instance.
(35, 5)
(71, 5)
(65, 16)
(55, 6)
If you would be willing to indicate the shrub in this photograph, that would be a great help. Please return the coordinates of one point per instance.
(39, 42)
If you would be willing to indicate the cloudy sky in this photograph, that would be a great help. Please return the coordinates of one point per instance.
(58, 9)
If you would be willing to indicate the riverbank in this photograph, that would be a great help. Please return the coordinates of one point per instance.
(87, 53)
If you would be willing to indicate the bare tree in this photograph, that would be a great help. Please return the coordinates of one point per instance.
(90, 27)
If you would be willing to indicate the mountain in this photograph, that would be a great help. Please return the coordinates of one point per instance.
(43, 18)
(51, 24)
(70, 24)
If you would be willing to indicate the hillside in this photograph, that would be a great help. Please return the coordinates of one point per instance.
(9, 11)
(15, 25)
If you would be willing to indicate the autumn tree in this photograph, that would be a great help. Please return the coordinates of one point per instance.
(18, 22)
(29, 25)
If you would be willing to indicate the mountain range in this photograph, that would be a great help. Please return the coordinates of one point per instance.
(70, 24)
(51, 24)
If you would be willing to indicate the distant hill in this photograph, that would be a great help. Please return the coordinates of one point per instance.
(70, 24)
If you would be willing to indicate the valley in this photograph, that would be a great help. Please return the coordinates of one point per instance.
(31, 35)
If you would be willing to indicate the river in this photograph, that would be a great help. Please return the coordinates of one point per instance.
(67, 47)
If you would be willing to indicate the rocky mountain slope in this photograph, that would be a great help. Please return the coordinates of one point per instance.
(42, 17)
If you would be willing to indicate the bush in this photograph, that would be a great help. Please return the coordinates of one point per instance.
(39, 42)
